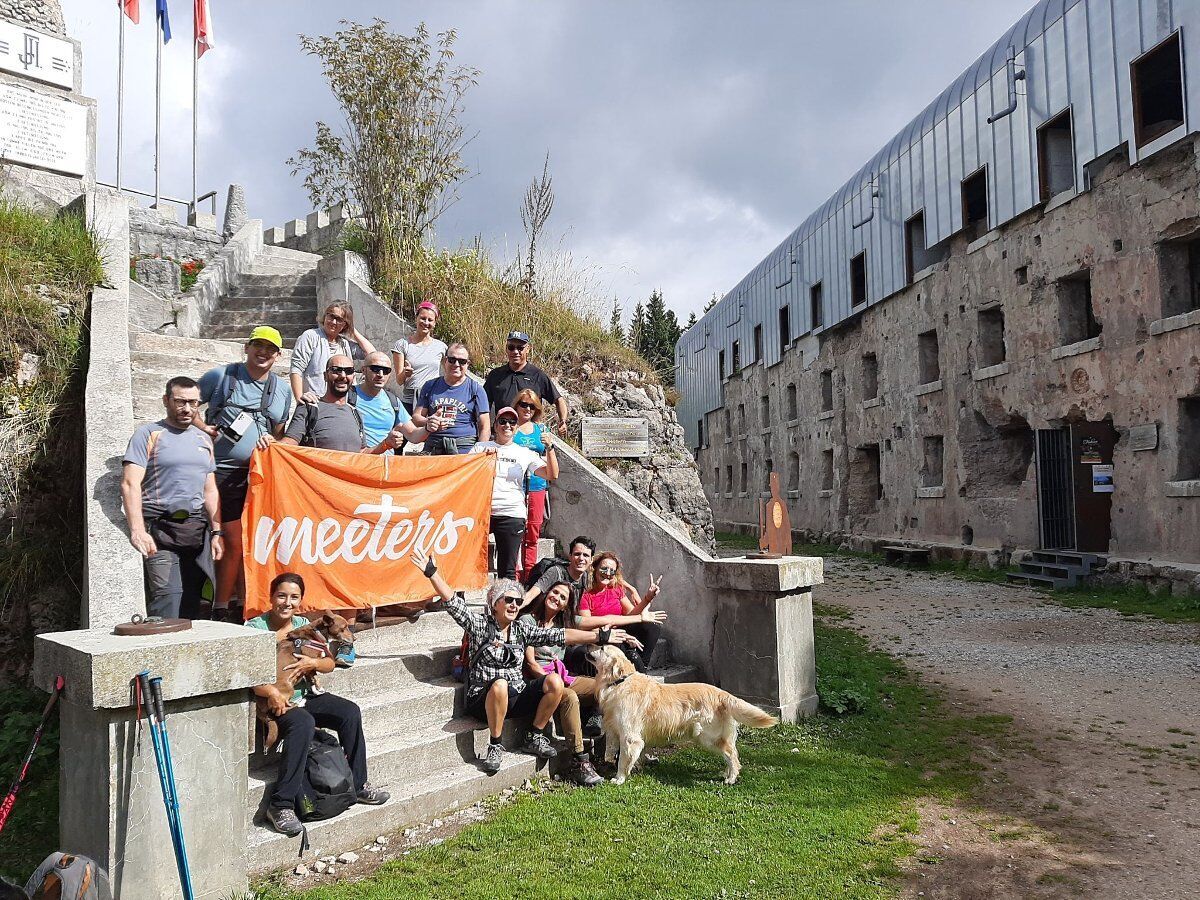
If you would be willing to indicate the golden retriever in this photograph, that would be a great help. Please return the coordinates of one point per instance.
(639, 711)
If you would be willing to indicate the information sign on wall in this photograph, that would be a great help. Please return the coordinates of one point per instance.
(1143, 437)
(36, 55)
(41, 130)
(613, 438)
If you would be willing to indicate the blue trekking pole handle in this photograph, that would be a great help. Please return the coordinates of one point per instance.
(143, 679)
(185, 873)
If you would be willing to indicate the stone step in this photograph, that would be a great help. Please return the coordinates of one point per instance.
(276, 315)
(260, 298)
(281, 268)
(284, 254)
(289, 333)
(267, 281)
(413, 800)
(169, 364)
(195, 348)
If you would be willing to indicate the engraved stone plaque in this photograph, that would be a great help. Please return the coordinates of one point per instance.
(615, 437)
(1143, 437)
(41, 130)
(36, 55)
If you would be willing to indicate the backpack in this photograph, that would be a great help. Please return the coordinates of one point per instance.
(328, 782)
(64, 876)
(224, 390)
(311, 422)
(539, 569)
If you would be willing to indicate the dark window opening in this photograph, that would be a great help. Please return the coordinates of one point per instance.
(932, 466)
(793, 482)
(870, 376)
(816, 302)
(1179, 276)
(826, 390)
(742, 418)
(736, 353)
(792, 412)
(968, 535)
(699, 432)
(766, 485)
(858, 279)
(928, 365)
(1157, 82)
(785, 328)
(728, 424)
(827, 470)
(866, 483)
(721, 364)
(764, 410)
(975, 204)
(1056, 156)
(729, 479)
(991, 337)
(758, 344)
(744, 482)
(717, 480)
(1187, 466)
(1076, 311)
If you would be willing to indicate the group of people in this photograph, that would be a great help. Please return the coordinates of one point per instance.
(186, 479)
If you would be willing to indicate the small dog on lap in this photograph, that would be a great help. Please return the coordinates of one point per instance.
(638, 711)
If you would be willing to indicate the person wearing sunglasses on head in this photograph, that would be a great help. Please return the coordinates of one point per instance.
(334, 335)
(333, 423)
(453, 408)
(514, 466)
(504, 382)
(496, 685)
(380, 411)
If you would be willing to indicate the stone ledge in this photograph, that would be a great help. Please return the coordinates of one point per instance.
(826, 414)
(743, 494)
(1076, 349)
(773, 576)
(768, 429)
(1183, 488)
(208, 658)
(793, 423)
(990, 372)
(1061, 199)
(1174, 323)
(871, 404)
(980, 243)
(924, 273)
(793, 495)
(931, 493)
(828, 492)
(931, 387)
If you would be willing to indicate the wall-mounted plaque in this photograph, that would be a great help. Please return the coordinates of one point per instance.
(41, 130)
(1144, 437)
(37, 55)
(609, 438)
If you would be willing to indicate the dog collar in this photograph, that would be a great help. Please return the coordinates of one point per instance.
(619, 680)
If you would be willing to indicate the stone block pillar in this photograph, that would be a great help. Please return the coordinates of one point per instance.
(110, 800)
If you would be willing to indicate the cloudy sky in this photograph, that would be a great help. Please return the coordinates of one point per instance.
(686, 137)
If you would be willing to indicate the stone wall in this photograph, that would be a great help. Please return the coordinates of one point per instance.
(1120, 242)
(45, 15)
(319, 232)
(155, 233)
(666, 481)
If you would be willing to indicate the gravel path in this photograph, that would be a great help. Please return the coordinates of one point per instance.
(1097, 792)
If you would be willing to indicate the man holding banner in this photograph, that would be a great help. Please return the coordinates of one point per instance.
(333, 423)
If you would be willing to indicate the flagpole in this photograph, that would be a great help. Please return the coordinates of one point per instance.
(195, 101)
(120, 89)
(157, 111)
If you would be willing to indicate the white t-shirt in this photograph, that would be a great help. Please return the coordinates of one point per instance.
(513, 463)
(426, 362)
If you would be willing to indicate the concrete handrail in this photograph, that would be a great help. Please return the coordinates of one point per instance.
(215, 279)
(345, 277)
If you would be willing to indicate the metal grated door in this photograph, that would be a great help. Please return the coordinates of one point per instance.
(1056, 494)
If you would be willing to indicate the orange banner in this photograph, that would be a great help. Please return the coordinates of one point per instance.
(347, 522)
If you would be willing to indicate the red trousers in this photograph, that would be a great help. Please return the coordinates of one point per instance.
(533, 530)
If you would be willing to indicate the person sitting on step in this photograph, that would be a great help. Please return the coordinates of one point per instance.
(610, 600)
(496, 686)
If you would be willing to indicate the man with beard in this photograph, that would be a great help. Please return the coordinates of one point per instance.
(332, 423)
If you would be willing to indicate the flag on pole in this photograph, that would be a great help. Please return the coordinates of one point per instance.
(204, 30)
(131, 8)
(164, 21)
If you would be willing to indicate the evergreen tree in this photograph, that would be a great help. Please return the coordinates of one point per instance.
(614, 325)
(659, 336)
(711, 303)
(636, 328)
(690, 322)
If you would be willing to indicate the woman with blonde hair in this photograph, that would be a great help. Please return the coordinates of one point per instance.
(334, 336)
(610, 600)
(418, 357)
(530, 432)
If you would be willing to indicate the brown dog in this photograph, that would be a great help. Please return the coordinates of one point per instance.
(640, 711)
(318, 639)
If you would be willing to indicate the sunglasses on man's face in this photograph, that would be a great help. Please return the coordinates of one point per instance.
(507, 422)
(381, 370)
(516, 347)
(455, 361)
(341, 370)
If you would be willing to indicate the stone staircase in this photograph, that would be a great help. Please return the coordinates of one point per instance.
(1056, 568)
(420, 747)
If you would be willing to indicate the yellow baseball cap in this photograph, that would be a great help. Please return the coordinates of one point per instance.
(268, 334)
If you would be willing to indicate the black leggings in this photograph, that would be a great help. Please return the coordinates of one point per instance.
(509, 530)
(296, 728)
(646, 632)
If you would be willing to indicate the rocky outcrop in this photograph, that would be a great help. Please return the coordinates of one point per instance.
(44, 15)
(667, 481)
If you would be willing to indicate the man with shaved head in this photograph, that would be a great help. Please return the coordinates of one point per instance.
(380, 411)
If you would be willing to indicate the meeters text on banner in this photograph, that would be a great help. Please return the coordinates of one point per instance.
(347, 523)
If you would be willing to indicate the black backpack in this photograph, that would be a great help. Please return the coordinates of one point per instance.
(539, 569)
(328, 782)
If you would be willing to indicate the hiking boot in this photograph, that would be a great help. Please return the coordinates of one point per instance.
(495, 755)
(594, 726)
(372, 796)
(582, 773)
(284, 821)
(539, 745)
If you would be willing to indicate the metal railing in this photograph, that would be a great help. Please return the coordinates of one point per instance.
(191, 207)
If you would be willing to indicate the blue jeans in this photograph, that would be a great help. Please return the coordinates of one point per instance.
(174, 582)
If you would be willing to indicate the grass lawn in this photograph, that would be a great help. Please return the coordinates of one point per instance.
(823, 809)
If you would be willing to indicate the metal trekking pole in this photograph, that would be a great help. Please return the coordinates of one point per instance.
(145, 699)
(185, 873)
(19, 779)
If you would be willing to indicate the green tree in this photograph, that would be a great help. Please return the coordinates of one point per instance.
(637, 327)
(690, 322)
(614, 324)
(711, 303)
(397, 154)
(658, 337)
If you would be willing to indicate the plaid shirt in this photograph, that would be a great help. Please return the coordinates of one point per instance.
(489, 656)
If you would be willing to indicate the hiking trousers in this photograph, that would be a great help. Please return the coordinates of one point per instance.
(296, 728)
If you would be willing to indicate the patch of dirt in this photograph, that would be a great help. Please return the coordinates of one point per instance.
(1096, 789)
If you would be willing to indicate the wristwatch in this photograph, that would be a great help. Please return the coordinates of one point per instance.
(217, 533)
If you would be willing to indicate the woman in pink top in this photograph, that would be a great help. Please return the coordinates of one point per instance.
(610, 600)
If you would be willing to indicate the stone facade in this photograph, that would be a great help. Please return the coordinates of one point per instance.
(151, 234)
(45, 15)
(918, 419)
(319, 232)
(666, 481)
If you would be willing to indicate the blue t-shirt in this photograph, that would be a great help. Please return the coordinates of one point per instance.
(246, 395)
(467, 402)
(177, 463)
(534, 442)
(377, 415)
